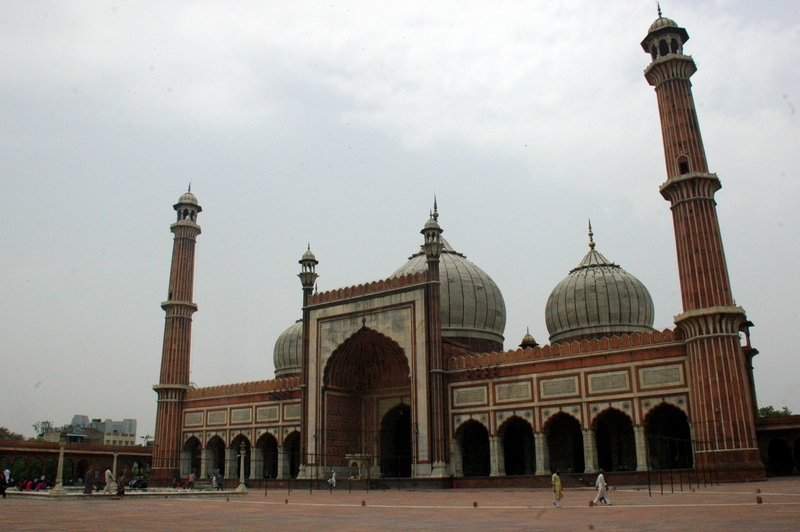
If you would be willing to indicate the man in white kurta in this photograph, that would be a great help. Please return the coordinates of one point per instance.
(602, 489)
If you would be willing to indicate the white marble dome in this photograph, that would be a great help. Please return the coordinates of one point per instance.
(288, 353)
(472, 308)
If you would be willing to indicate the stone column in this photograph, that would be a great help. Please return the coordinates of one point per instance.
(206, 463)
(186, 463)
(542, 454)
(283, 464)
(456, 459)
(114, 473)
(256, 463)
(641, 448)
(230, 462)
(493, 458)
(589, 451)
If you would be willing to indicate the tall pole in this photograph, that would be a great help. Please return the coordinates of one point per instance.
(58, 490)
(242, 488)
(721, 409)
(176, 351)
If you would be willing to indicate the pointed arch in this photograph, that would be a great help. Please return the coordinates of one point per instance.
(216, 453)
(669, 438)
(519, 450)
(615, 439)
(473, 437)
(192, 456)
(395, 442)
(367, 360)
(267, 448)
(291, 448)
(565, 443)
(234, 459)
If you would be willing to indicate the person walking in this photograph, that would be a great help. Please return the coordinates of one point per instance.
(3, 485)
(109, 481)
(88, 483)
(557, 493)
(602, 490)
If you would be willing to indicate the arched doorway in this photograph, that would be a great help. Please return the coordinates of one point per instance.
(797, 455)
(193, 456)
(36, 468)
(669, 440)
(565, 443)
(366, 370)
(69, 472)
(780, 457)
(216, 448)
(474, 440)
(268, 447)
(519, 457)
(51, 469)
(291, 446)
(616, 443)
(80, 471)
(395, 442)
(236, 445)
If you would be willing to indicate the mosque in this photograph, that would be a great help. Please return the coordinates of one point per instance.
(409, 376)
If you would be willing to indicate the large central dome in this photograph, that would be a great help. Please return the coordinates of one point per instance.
(473, 311)
(598, 298)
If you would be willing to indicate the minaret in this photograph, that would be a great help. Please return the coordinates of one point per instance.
(433, 249)
(721, 409)
(176, 352)
(308, 276)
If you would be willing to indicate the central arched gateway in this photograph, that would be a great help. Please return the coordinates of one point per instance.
(367, 390)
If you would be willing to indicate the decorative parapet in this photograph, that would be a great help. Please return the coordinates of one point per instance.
(369, 288)
(274, 385)
(584, 347)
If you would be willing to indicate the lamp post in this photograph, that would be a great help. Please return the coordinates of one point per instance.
(58, 490)
(241, 488)
(114, 486)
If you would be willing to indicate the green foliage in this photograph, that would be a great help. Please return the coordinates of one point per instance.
(769, 411)
(6, 434)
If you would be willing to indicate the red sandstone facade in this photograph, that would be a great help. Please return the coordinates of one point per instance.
(376, 388)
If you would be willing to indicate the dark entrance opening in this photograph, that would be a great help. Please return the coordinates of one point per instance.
(565, 443)
(217, 448)
(780, 457)
(668, 438)
(616, 443)
(474, 449)
(236, 444)
(518, 447)
(192, 446)
(396, 442)
(291, 446)
(268, 446)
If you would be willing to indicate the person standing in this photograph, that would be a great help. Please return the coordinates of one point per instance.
(220, 487)
(190, 481)
(3, 485)
(109, 481)
(557, 493)
(602, 489)
(7, 474)
(88, 482)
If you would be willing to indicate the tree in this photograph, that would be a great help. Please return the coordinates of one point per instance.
(43, 427)
(6, 434)
(769, 411)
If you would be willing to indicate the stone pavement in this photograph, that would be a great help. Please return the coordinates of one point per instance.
(723, 507)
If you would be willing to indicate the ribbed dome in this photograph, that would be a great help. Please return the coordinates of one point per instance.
(473, 311)
(188, 198)
(662, 22)
(598, 298)
(288, 355)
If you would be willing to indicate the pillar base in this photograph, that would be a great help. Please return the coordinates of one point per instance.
(58, 491)
(439, 470)
(241, 488)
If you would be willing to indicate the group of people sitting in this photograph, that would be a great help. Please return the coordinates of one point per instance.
(34, 484)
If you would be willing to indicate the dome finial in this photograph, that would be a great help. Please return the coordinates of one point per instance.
(591, 236)
(190, 187)
(435, 214)
(659, 9)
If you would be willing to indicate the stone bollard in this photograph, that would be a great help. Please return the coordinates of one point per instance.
(758, 500)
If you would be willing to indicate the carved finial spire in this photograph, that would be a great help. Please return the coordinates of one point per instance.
(591, 236)
(435, 209)
(659, 8)
(190, 187)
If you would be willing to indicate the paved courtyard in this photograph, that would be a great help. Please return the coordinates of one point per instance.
(724, 507)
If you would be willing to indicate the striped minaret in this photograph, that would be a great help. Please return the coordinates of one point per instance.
(721, 403)
(176, 352)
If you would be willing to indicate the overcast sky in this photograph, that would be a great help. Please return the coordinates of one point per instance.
(335, 124)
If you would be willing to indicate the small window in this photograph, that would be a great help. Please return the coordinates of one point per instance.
(684, 167)
(663, 48)
(674, 46)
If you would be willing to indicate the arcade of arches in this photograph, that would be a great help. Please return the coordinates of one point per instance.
(612, 443)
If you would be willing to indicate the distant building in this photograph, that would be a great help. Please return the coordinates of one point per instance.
(113, 432)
